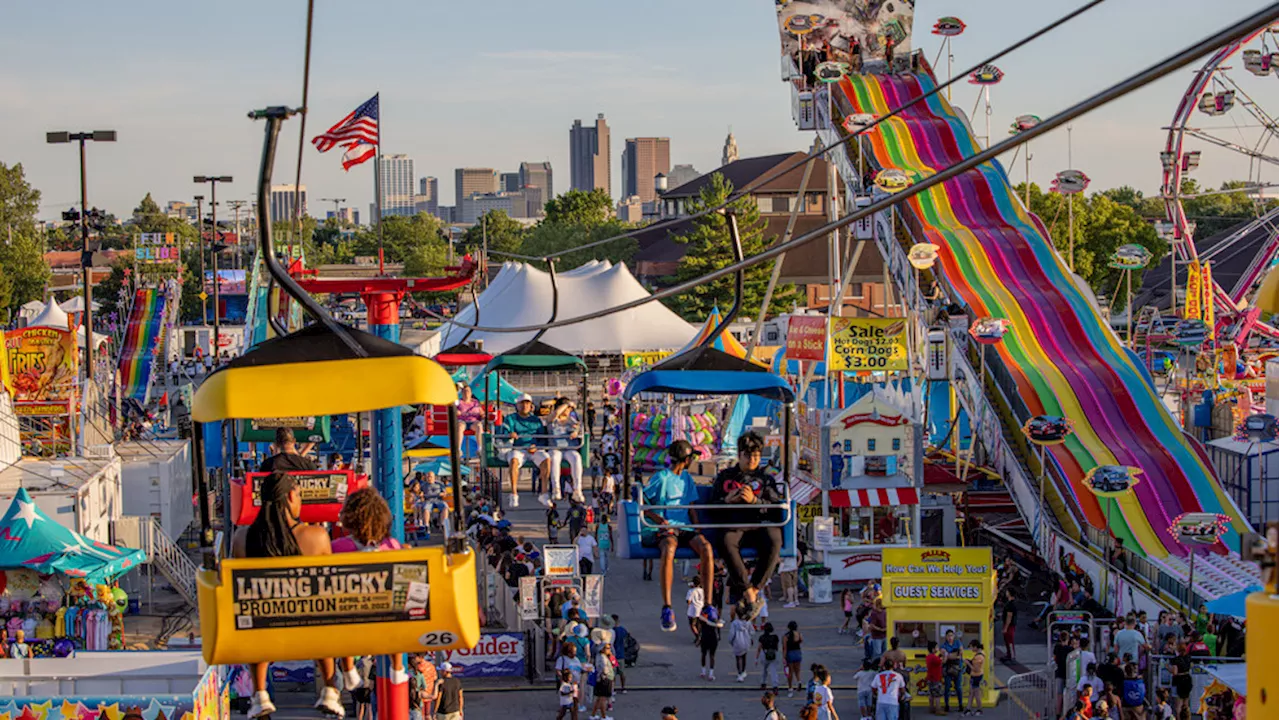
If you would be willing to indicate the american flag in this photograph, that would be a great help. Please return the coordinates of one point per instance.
(357, 132)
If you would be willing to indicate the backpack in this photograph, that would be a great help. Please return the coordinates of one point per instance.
(775, 714)
(630, 650)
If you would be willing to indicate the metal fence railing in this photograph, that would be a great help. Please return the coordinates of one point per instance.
(1029, 693)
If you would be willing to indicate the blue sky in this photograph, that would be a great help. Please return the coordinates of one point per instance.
(494, 83)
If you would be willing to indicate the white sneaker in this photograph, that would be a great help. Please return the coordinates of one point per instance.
(702, 673)
(261, 704)
(515, 501)
(330, 703)
(742, 677)
(351, 679)
(791, 605)
(711, 675)
(579, 497)
(546, 501)
(399, 677)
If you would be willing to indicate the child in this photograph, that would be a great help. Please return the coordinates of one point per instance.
(567, 691)
(696, 599)
(1163, 710)
(740, 642)
(709, 640)
(846, 602)
(367, 518)
(553, 523)
(864, 680)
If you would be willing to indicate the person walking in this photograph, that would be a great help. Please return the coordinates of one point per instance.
(695, 599)
(740, 642)
(788, 574)
(587, 547)
(449, 692)
(846, 604)
(604, 542)
(767, 650)
(605, 668)
(568, 693)
(977, 670)
(709, 640)
(793, 655)
(823, 698)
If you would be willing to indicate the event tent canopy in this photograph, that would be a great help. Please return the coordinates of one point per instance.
(30, 539)
(521, 295)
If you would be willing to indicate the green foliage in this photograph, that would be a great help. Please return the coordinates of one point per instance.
(189, 303)
(107, 292)
(577, 207)
(1214, 214)
(23, 271)
(710, 249)
(551, 236)
(504, 234)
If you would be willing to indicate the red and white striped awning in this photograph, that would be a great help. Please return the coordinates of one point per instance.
(873, 497)
(803, 492)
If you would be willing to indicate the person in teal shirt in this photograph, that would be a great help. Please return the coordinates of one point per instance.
(673, 485)
(604, 542)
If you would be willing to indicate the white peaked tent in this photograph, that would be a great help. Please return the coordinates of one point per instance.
(76, 304)
(521, 295)
(51, 316)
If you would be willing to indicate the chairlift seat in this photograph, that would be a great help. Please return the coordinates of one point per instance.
(635, 549)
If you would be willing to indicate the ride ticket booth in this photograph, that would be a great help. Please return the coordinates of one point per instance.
(927, 591)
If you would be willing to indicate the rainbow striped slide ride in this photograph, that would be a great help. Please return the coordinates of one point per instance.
(998, 258)
(142, 337)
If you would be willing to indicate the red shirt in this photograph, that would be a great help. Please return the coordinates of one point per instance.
(933, 667)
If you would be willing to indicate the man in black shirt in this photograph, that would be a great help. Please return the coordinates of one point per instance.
(1061, 650)
(1111, 672)
(288, 458)
(449, 705)
(740, 487)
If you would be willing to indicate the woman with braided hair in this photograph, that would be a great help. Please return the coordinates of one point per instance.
(277, 532)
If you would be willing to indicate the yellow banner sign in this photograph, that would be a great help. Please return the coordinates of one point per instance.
(642, 359)
(1207, 298)
(870, 344)
(806, 513)
(1194, 286)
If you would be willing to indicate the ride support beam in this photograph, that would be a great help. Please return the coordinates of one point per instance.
(387, 432)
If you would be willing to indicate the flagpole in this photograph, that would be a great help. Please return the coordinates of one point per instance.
(377, 186)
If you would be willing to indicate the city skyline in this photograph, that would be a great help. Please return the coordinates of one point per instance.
(177, 116)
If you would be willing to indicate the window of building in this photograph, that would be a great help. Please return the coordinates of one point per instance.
(855, 290)
(871, 444)
(897, 443)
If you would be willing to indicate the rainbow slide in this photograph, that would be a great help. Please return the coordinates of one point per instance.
(142, 338)
(998, 258)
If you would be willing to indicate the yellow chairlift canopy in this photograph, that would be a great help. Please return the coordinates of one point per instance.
(313, 372)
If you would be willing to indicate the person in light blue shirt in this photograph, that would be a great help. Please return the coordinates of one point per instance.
(523, 431)
(673, 485)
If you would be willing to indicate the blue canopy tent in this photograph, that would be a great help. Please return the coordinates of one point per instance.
(1233, 603)
(30, 539)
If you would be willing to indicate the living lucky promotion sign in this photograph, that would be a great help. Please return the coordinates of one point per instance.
(868, 344)
(806, 338)
(496, 655)
(938, 576)
(334, 594)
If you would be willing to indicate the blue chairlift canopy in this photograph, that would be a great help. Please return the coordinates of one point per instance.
(708, 371)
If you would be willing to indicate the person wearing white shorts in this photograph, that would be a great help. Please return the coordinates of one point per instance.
(565, 441)
(523, 430)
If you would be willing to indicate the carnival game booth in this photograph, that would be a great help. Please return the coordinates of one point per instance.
(58, 584)
(928, 591)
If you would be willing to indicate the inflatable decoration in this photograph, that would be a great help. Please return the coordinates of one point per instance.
(1023, 123)
(1047, 429)
(63, 648)
(121, 598)
(892, 180)
(989, 331)
(1069, 182)
(986, 75)
(1111, 480)
(1217, 103)
(857, 122)
(830, 71)
(1130, 257)
(803, 24)
(1260, 63)
(949, 26)
(922, 256)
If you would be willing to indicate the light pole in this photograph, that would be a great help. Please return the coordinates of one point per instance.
(86, 258)
(235, 207)
(213, 181)
(204, 303)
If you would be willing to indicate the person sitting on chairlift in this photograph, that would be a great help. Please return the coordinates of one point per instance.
(289, 456)
(523, 429)
(674, 485)
(743, 484)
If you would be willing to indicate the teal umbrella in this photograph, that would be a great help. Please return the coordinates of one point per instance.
(440, 466)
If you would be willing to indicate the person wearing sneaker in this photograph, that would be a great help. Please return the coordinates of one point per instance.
(367, 517)
(605, 668)
(277, 532)
(449, 692)
(740, 642)
(673, 485)
(789, 573)
(739, 487)
(523, 430)
(566, 439)
(709, 640)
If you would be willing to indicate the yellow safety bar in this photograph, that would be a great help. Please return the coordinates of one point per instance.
(300, 608)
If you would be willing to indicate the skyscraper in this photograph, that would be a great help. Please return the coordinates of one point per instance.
(396, 176)
(590, 166)
(730, 153)
(681, 174)
(643, 159)
(428, 198)
(469, 181)
(282, 202)
(509, 182)
(537, 175)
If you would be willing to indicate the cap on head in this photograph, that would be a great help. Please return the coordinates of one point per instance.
(446, 667)
(524, 397)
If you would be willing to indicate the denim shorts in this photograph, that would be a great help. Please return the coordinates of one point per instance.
(795, 656)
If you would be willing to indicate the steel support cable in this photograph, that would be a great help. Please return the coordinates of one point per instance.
(817, 153)
(1134, 82)
(296, 222)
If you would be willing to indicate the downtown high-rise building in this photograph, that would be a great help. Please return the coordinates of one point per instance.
(537, 175)
(590, 166)
(428, 198)
(509, 182)
(472, 181)
(282, 202)
(642, 160)
(397, 185)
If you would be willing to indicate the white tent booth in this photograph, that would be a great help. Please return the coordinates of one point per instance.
(522, 295)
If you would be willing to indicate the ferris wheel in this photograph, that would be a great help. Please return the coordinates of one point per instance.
(1245, 134)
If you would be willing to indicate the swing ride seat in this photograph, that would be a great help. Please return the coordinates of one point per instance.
(634, 523)
(535, 357)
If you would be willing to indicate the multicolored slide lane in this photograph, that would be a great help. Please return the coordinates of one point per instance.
(1064, 358)
(143, 335)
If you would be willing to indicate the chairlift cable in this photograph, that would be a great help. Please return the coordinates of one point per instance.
(296, 225)
(816, 153)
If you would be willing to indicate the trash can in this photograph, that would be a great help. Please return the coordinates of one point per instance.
(820, 585)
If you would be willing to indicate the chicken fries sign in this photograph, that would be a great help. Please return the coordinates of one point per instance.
(42, 367)
(868, 344)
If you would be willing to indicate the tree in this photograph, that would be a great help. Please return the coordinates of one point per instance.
(503, 234)
(402, 236)
(550, 237)
(25, 273)
(709, 248)
(577, 207)
(1214, 214)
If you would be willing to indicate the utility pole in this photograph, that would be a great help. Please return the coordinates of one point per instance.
(235, 207)
(204, 303)
(213, 181)
(86, 256)
(337, 202)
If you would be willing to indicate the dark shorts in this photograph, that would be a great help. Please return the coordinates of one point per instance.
(1182, 686)
(684, 538)
(362, 694)
(848, 613)
(975, 681)
(603, 688)
(795, 656)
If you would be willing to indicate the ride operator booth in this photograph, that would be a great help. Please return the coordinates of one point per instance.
(929, 590)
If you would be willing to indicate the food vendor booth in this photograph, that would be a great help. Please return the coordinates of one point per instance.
(928, 591)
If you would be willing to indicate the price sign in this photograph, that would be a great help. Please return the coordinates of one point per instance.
(869, 344)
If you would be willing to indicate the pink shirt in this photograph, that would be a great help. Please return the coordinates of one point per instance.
(349, 544)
